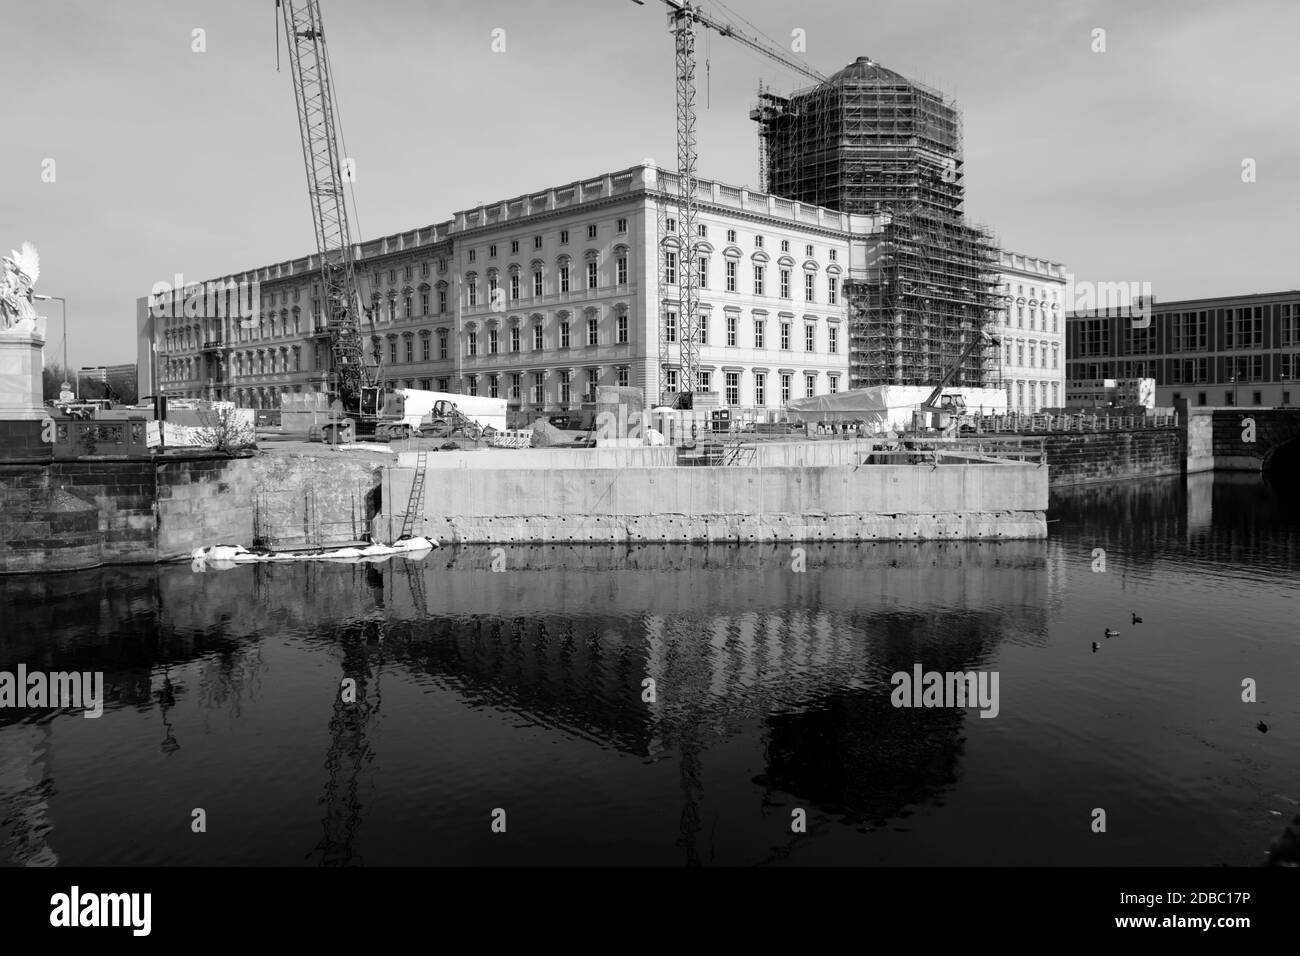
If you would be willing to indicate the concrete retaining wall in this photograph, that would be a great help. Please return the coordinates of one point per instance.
(693, 504)
(1075, 457)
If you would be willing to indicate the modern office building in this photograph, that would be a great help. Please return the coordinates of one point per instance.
(538, 299)
(1031, 327)
(1224, 351)
(872, 142)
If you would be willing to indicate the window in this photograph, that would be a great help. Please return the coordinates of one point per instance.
(670, 326)
(472, 384)
(424, 348)
(704, 328)
(785, 283)
(494, 386)
(731, 235)
(538, 395)
(758, 242)
(704, 272)
(392, 277)
(593, 332)
(835, 383)
(514, 286)
(565, 387)
(473, 343)
(514, 245)
(537, 283)
(622, 225)
(564, 237)
(424, 303)
(591, 232)
(392, 351)
(593, 382)
(670, 380)
(732, 386)
(442, 301)
(537, 338)
(392, 313)
(731, 276)
(706, 382)
(591, 274)
(809, 294)
(1020, 352)
(621, 270)
(514, 341)
(832, 339)
(442, 345)
(760, 325)
(785, 335)
(442, 266)
(622, 330)
(444, 385)
(515, 379)
(537, 242)
(731, 330)
(1257, 398)
(808, 252)
(494, 342)
(760, 388)
(670, 268)
(564, 277)
(785, 245)
(702, 231)
(831, 253)
(492, 290)
(758, 280)
(623, 376)
(472, 286)
(830, 289)
(785, 388)
(670, 225)
(810, 338)
(410, 351)
(492, 251)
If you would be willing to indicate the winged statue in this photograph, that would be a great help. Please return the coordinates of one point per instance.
(21, 270)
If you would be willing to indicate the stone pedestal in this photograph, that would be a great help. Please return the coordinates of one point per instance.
(22, 364)
(22, 403)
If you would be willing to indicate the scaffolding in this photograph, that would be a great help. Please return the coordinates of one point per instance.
(872, 142)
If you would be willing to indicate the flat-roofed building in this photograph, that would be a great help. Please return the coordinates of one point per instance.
(1031, 327)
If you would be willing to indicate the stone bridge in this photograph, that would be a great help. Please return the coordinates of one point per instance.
(1242, 439)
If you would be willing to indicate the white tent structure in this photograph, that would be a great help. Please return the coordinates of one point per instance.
(487, 412)
(885, 407)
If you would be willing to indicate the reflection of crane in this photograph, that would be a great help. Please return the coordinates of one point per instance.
(679, 259)
(323, 157)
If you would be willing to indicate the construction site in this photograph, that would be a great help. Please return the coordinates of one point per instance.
(869, 141)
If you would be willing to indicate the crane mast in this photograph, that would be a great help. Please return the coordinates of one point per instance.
(323, 159)
(679, 241)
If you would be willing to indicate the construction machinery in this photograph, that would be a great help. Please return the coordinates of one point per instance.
(353, 380)
(678, 237)
(943, 414)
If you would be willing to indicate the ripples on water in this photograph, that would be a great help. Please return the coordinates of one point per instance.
(523, 691)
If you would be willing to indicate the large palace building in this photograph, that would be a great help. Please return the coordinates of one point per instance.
(1031, 327)
(538, 299)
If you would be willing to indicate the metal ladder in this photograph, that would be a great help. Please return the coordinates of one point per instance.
(415, 504)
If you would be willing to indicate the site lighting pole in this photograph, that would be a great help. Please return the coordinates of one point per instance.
(63, 303)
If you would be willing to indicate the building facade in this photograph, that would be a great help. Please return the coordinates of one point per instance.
(1031, 327)
(1224, 351)
(538, 299)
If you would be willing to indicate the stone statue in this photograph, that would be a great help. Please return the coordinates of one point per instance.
(21, 270)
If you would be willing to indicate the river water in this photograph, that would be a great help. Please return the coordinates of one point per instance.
(519, 696)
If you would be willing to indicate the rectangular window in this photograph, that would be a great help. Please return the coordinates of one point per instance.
(514, 340)
(514, 245)
(442, 301)
(785, 283)
(670, 379)
(731, 275)
(564, 335)
(702, 230)
(704, 272)
(591, 232)
(473, 343)
(410, 351)
(809, 338)
(785, 388)
(473, 384)
(593, 332)
(442, 345)
(591, 275)
(494, 386)
(472, 254)
(758, 242)
(760, 326)
(831, 290)
(537, 338)
(564, 278)
(706, 382)
(731, 235)
(622, 225)
(515, 379)
(623, 376)
(832, 339)
(621, 270)
(704, 329)
(424, 303)
(809, 293)
(758, 280)
(472, 288)
(785, 335)
(733, 388)
(392, 351)
(538, 394)
(835, 383)
(492, 251)
(537, 284)
(760, 388)
(731, 330)
(564, 237)
(593, 382)
(424, 348)
(670, 326)
(537, 242)
(566, 387)
(514, 287)
(494, 342)
(670, 268)
(622, 329)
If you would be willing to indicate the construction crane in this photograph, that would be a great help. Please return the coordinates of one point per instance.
(679, 239)
(354, 380)
(943, 412)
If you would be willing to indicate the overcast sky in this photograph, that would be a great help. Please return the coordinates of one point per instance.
(1125, 165)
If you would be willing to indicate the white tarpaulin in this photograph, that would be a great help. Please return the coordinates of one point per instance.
(487, 412)
(883, 407)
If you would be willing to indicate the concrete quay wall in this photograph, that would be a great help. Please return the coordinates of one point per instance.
(491, 505)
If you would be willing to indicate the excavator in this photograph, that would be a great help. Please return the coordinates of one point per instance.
(942, 414)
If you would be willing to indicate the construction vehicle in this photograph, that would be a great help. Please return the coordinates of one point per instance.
(943, 414)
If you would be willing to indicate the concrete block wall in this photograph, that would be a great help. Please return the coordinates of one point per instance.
(1077, 457)
(44, 527)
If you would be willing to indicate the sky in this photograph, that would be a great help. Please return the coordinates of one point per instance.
(1125, 164)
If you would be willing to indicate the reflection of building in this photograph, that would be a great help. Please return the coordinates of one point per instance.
(1031, 325)
(1231, 350)
(25, 789)
(542, 297)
